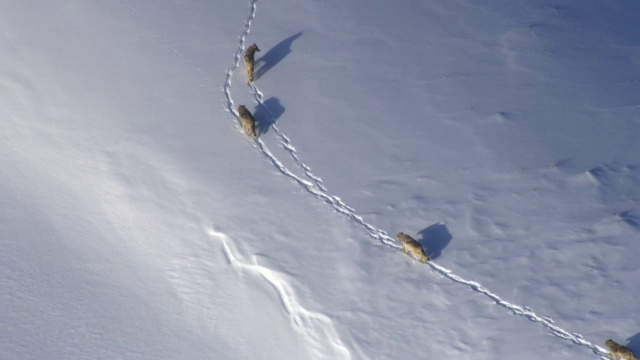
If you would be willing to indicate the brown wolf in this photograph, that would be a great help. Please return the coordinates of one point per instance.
(411, 246)
(249, 60)
(247, 120)
(620, 352)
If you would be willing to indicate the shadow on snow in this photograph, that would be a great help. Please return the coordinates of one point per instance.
(272, 57)
(267, 114)
(434, 239)
(634, 343)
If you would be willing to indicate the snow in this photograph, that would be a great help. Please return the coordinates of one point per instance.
(138, 221)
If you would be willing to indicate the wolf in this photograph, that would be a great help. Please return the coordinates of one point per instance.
(248, 122)
(249, 60)
(620, 352)
(411, 246)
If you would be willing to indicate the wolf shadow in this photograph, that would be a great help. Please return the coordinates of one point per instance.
(434, 239)
(634, 343)
(267, 113)
(274, 55)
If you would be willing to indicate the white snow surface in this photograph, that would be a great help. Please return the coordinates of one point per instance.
(138, 221)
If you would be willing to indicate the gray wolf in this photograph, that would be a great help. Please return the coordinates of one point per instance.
(411, 246)
(249, 60)
(247, 121)
(620, 352)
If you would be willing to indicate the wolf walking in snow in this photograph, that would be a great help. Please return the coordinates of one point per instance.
(620, 352)
(247, 121)
(411, 246)
(249, 60)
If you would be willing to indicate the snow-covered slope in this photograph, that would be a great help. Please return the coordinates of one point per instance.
(137, 221)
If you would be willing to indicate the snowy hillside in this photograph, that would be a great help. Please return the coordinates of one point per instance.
(138, 221)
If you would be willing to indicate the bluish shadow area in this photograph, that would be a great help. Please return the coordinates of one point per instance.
(267, 114)
(634, 343)
(631, 219)
(434, 239)
(274, 55)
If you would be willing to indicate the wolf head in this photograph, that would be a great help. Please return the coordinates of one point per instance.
(254, 47)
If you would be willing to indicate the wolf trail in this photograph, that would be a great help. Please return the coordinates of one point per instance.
(317, 328)
(316, 188)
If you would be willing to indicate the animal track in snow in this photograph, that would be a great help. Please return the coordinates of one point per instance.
(316, 188)
(284, 140)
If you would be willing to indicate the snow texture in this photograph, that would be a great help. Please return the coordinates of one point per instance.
(138, 221)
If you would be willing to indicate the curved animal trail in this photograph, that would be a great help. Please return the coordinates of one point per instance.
(236, 61)
(523, 311)
(316, 188)
(286, 144)
(316, 328)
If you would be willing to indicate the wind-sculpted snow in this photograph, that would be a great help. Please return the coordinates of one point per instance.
(316, 328)
(314, 185)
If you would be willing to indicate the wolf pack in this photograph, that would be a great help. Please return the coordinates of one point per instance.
(410, 245)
